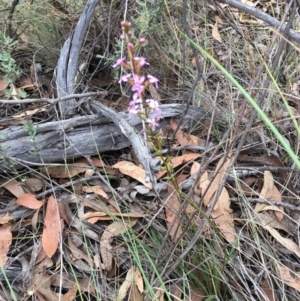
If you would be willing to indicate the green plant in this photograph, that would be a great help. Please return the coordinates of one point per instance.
(7, 63)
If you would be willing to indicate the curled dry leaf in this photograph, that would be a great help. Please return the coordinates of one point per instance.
(5, 242)
(222, 213)
(183, 138)
(52, 229)
(285, 242)
(30, 201)
(93, 217)
(289, 277)
(271, 193)
(135, 172)
(71, 294)
(97, 189)
(128, 282)
(172, 207)
(177, 161)
(111, 231)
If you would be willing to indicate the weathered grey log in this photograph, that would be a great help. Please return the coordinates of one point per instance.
(139, 145)
(67, 66)
(68, 139)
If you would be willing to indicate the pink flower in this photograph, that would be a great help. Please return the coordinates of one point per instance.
(136, 98)
(153, 124)
(138, 81)
(142, 61)
(153, 80)
(133, 108)
(156, 114)
(119, 62)
(153, 104)
(142, 40)
(129, 45)
(124, 78)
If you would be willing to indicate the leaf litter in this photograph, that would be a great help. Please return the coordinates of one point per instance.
(97, 228)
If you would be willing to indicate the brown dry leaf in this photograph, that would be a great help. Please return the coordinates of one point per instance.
(52, 229)
(30, 201)
(138, 280)
(93, 217)
(285, 242)
(76, 252)
(222, 214)
(5, 219)
(12, 186)
(42, 281)
(5, 242)
(289, 277)
(160, 294)
(135, 294)
(114, 229)
(195, 169)
(172, 206)
(177, 161)
(268, 290)
(270, 192)
(34, 184)
(215, 32)
(97, 189)
(71, 294)
(266, 219)
(29, 112)
(63, 213)
(196, 295)
(129, 280)
(182, 138)
(68, 171)
(135, 172)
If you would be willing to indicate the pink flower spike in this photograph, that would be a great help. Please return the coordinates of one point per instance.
(124, 78)
(153, 80)
(122, 37)
(142, 61)
(119, 62)
(142, 40)
(138, 81)
(153, 124)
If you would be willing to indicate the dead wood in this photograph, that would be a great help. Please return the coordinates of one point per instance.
(65, 140)
(67, 67)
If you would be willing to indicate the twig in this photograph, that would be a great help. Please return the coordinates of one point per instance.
(267, 202)
(257, 13)
(10, 16)
(54, 100)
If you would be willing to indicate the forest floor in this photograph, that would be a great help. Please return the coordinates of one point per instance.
(221, 219)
